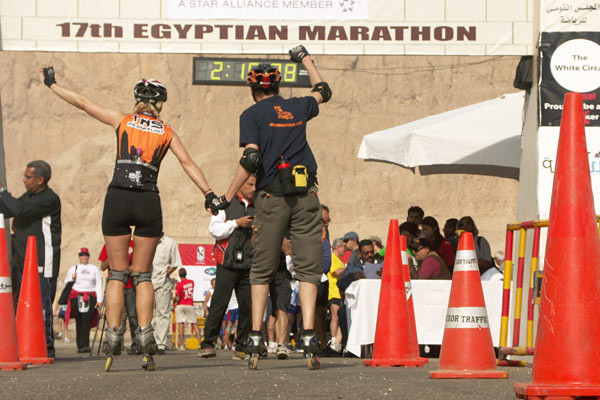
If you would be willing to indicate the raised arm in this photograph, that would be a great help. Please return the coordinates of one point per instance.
(320, 91)
(102, 114)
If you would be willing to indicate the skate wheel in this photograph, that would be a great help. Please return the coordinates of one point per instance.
(253, 361)
(313, 362)
(109, 361)
(148, 363)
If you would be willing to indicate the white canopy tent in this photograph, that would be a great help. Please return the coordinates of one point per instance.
(486, 133)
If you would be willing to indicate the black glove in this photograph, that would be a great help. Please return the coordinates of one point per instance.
(298, 53)
(49, 78)
(215, 203)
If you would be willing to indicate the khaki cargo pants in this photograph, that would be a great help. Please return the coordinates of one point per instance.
(302, 213)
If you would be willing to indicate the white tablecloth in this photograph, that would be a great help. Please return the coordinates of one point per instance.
(431, 302)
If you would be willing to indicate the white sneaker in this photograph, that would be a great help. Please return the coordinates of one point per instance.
(66, 340)
(272, 348)
(282, 352)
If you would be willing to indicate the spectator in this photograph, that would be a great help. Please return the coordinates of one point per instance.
(208, 297)
(499, 260)
(409, 231)
(482, 247)
(415, 215)
(355, 270)
(85, 298)
(232, 229)
(166, 260)
(335, 298)
(350, 240)
(494, 273)
(280, 295)
(229, 326)
(129, 312)
(378, 248)
(36, 213)
(431, 265)
(450, 232)
(60, 312)
(441, 246)
(323, 289)
(184, 309)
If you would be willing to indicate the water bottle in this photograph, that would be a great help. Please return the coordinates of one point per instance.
(286, 179)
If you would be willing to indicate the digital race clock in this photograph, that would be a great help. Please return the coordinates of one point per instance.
(233, 71)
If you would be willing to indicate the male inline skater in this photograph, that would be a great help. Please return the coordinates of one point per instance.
(273, 135)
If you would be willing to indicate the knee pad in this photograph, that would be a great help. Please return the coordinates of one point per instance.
(120, 276)
(139, 277)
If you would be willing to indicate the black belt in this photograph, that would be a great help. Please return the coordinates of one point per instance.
(274, 188)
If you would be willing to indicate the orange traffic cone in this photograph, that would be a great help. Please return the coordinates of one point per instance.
(9, 351)
(409, 296)
(566, 361)
(30, 318)
(467, 348)
(394, 340)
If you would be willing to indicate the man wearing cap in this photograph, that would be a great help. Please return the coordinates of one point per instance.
(430, 264)
(350, 240)
(36, 213)
(85, 298)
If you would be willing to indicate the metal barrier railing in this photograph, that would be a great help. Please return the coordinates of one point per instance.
(534, 288)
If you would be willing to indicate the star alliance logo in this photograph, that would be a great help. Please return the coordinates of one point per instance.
(347, 5)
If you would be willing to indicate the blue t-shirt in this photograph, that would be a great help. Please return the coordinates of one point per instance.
(278, 127)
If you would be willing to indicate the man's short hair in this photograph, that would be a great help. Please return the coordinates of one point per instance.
(337, 242)
(42, 168)
(182, 272)
(416, 209)
(364, 242)
(409, 227)
(324, 207)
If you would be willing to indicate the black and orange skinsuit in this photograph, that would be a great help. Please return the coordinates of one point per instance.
(132, 197)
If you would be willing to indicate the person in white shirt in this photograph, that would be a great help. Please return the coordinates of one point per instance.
(86, 297)
(232, 229)
(166, 260)
(495, 273)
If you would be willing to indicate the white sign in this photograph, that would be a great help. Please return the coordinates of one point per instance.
(569, 15)
(547, 148)
(575, 65)
(268, 9)
(357, 27)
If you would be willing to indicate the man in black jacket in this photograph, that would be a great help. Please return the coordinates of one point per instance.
(233, 230)
(36, 213)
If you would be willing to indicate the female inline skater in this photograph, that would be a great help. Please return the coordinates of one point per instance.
(132, 200)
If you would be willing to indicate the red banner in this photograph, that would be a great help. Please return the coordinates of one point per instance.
(197, 254)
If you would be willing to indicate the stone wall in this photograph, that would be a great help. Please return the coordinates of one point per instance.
(371, 93)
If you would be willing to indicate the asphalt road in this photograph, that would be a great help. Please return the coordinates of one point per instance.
(183, 375)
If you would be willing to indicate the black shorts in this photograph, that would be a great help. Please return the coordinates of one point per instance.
(126, 208)
(281, 291)
(336, 301)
